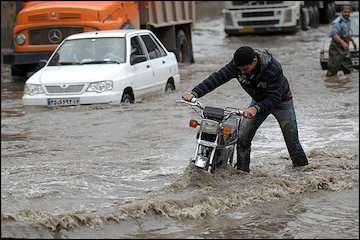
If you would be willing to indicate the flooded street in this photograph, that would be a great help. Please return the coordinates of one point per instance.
(110, 171)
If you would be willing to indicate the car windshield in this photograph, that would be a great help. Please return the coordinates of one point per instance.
(90, 51)
(355, 25)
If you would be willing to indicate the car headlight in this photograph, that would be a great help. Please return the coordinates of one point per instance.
(101, 86)
(20, 39)
(33, 89)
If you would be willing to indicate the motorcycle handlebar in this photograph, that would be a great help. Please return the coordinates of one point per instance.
(195, 103)
(237, 112)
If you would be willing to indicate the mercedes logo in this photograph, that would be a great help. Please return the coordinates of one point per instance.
(54, 35)
(64, 86)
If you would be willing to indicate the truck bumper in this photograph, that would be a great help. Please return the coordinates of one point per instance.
(259, 30)
(26, 58)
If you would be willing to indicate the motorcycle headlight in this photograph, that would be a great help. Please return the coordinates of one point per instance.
(209, 126)
(20, 39)
(33, 89)
(101, 86)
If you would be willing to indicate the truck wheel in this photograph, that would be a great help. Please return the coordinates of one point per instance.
(317, 16)
(22, 71)
(326, 14)
(305, 19)
(18, 71)
(183, 49)
(333, 11)
(312, 16)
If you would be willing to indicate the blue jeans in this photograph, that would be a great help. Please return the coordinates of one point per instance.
(284, 113)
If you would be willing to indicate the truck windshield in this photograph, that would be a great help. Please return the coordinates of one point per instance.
(90, 51)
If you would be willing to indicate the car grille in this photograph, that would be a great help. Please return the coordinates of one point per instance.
(258, 23)
(66, 89)
(52, 35)
(258, 14)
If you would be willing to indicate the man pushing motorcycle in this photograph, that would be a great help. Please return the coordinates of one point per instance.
(261, 76)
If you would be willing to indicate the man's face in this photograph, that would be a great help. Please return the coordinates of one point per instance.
(247, 69)
(346, 12)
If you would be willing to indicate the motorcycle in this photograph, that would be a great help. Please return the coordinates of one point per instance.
(216, 137)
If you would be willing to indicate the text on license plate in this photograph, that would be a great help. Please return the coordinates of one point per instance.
(63, 101)
(246, 30)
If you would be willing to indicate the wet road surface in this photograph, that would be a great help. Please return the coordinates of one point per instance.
(103, 171)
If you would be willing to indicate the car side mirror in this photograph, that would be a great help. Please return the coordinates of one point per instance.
(134, 59)
(42, 63)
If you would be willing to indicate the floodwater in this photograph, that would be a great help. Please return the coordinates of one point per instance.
(110, 171)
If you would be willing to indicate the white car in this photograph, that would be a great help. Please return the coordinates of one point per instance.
(103, 67)
(324, 53)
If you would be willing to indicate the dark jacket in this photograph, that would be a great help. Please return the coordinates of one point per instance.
(268, 86)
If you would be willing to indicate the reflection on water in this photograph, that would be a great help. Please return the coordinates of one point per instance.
(330, 213)
(11, 89)
(230, 203)
(341, 83)
(14, 137)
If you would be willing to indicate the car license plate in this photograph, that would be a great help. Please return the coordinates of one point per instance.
(247, 30)
(63, 101)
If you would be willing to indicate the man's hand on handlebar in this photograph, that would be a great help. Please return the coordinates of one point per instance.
(188, 96)
(250, 112)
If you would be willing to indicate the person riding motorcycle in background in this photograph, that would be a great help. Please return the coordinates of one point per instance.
(339, 53)
(261, 76)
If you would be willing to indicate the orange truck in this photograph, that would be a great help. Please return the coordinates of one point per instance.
(41, 25)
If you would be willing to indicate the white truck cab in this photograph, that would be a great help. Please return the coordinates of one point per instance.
(241, 17)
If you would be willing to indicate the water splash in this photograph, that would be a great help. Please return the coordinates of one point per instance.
(196, 194)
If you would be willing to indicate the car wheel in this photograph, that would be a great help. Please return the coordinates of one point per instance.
(183, 48)
(127, 98)
(170, 87)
